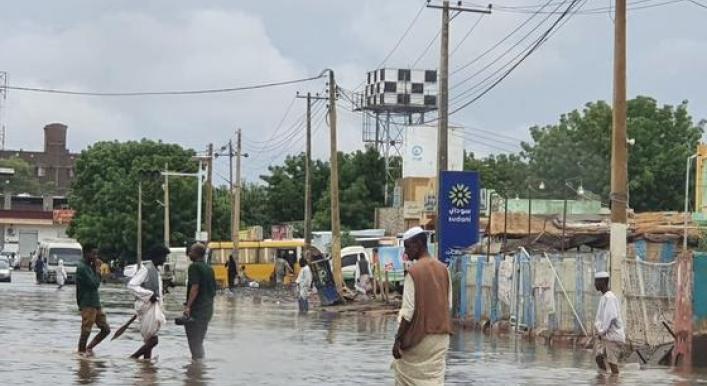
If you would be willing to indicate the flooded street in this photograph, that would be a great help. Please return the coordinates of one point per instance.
(254, 340)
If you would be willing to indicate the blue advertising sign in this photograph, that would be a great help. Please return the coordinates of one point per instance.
(458, 213)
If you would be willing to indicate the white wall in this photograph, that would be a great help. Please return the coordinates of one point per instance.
(12, 232)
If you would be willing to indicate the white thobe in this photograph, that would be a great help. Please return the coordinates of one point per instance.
(608, 322)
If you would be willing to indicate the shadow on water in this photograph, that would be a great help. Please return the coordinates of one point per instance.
(258, 337)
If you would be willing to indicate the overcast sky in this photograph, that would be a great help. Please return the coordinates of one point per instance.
(160, 45)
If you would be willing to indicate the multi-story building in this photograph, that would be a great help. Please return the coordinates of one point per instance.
(55, 164)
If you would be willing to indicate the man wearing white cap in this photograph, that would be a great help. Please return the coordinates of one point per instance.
(608, 325)
(422, 340)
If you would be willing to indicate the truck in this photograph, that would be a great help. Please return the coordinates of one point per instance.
(67, 250)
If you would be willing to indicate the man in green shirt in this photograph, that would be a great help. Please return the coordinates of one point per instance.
(87, 282)
(201, 289)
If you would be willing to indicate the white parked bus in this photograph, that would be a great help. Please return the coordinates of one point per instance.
(68, 250)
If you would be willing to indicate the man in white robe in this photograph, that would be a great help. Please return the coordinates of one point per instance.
(608, 325)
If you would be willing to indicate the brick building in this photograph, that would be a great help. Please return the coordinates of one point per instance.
(53, 165)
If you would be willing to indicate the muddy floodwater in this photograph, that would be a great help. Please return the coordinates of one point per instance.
(253, 339)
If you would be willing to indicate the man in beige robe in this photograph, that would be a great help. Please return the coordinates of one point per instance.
(422, 340)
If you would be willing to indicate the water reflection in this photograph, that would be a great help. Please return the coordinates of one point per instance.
(89, 370)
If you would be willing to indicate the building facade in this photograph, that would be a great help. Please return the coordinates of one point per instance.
(54, 165)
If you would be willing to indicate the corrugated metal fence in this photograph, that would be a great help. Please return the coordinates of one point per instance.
(525, 287)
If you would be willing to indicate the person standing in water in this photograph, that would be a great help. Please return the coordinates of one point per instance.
(232, 269)
(608, 325)
(61, 274)
(304, 285)
(201, 289)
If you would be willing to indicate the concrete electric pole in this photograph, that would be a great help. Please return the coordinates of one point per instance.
(236, 208)
(308, 175)
(619, 148)
(165, 187)
(334, 191)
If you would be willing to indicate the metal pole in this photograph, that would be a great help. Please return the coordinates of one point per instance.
(530, 211)
(199, 185)
(505, 221)
(687, 200)
(166, 206)
(619, 173)
(209, 191)
(139, 222)
(334, 191)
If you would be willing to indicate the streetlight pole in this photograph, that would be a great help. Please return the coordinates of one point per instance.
(139, 222)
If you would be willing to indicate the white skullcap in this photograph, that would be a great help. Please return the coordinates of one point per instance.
(601, 275)
(412, 232)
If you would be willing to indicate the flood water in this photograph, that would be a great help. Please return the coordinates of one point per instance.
(255, 340)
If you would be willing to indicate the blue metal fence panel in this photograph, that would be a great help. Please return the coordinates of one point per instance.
(494, 312)
(478, 293)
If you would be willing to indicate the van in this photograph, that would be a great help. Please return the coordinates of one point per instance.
(350, 258)
(53, 250)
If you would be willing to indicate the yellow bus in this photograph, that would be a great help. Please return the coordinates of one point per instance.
(258, 257)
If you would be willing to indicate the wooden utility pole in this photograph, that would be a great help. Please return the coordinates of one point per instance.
(308, 175)
(209, 191)
(619, 163)
(443, 97)
(166, 206)
(334, 191)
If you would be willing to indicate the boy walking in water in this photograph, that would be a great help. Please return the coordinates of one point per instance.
(87, 282)
(609, 326)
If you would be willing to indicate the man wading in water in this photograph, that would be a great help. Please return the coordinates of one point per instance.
(609, 326)
(422, 340)
(146, 285)
(87, 283)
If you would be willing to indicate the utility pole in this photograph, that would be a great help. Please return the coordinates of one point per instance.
(166, 206)
(334, 191)
(308, 175)
(236, 209)
(443, 96)
(139, 223)
(619, 164)
(209, 191)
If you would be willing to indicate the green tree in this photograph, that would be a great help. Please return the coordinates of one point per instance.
(104, 195)
(504, 173)
(579, 146)
(25, 179)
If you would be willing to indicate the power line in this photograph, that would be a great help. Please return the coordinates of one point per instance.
(279, 125)
(543, 38)
(155, 93)
(697, 3)
(473, 27)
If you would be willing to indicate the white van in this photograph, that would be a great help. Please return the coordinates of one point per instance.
(350, 258)
(68, 250)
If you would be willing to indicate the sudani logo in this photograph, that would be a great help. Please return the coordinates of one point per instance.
(417, 150)
(460, 195)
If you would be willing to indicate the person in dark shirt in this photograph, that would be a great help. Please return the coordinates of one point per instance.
(232, 268)
(201, 289)
(39, 270)
(87, 282)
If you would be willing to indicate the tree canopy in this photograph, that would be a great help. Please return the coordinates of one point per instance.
(25, 179)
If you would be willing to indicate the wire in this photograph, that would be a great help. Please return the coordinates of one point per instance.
(279, 125)
(697, 3)
(427, 48)
(473, 27)
(154, 93)
(543, 38)
(402, 37)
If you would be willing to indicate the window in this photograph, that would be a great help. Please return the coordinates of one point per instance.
(390, 86)
(382, 74)
(404, 75)
(430, 76)
(369, 78)
(403, 99)
(349, 260)
(382, 99)
(417, 88)
(41, 171)
(430, 100)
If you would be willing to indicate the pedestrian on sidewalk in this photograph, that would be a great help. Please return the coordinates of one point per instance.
(88, 281)
(610, 336)
(146, 286)
(201, 289)
(304, 285)
(232, 269)
(61, 274)
(422, 340)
